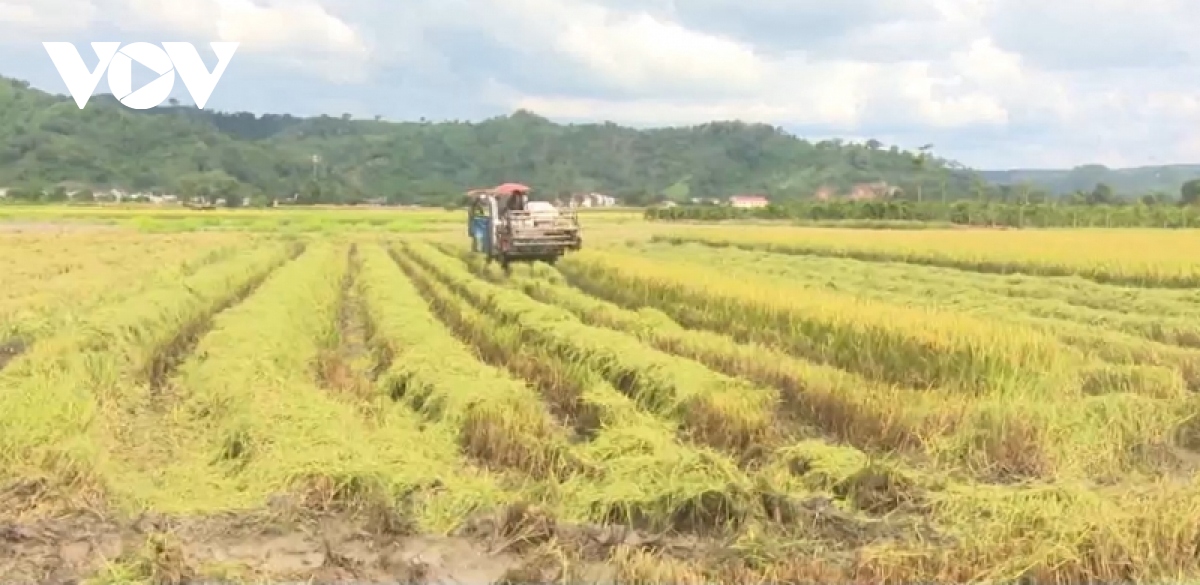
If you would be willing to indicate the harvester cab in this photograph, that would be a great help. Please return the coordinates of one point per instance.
(506, 226)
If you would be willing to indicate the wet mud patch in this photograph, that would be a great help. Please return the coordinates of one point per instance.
(288, 541)
(271, 545)
(531, 532)
(878, 490)
(1181, 456)
(33, 497)
(820, 520)
(330, 534)
(1164, 459)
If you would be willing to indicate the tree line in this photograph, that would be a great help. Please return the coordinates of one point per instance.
(962, 212)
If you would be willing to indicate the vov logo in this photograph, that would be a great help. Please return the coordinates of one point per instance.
(118, 61)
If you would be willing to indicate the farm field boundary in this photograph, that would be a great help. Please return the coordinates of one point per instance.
(1145, 258)
(383, 406)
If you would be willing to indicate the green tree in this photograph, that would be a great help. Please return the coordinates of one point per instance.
(1189, 193)
(56, 194)
(1102, 194)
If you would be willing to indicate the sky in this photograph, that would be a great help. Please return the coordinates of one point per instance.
(993, 84)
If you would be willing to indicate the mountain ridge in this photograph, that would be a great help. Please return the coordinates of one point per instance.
(46, 139)
(1140, 179)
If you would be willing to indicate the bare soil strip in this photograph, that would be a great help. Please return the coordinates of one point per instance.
(289, 542)
(349, 367)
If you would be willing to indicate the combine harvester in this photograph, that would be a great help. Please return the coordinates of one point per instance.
(506, 226)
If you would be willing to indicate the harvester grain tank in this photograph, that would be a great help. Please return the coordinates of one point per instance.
(506, 226)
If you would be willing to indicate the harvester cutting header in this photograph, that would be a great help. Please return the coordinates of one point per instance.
(504, 224)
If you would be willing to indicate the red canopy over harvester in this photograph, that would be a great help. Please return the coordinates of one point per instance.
(510, 189)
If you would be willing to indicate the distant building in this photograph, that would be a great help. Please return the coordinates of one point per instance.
(873, 191)
(592, 200)
(748, 201)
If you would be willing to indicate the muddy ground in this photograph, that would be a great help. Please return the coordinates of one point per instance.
(293, 540)
(289, 541)
(329, 548)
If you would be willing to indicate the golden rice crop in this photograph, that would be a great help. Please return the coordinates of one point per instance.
(51, 395)
(718, 410)
(251, 421)
(769, 417)
(500, 419)
(1038, 437)
(1101, 321)
(1135, 257)
(636, 471)
(846, 406)
(34, 305)
(1168, 316)
(631, 445)
(891, 343)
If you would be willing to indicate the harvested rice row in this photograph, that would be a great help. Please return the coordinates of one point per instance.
(889, 343)
(34, 263)
(996, 533)
(855, 410)
(254, 422)
(51, 395)
(1067, 535)
(562, 384)
(959, 430)
(499, 419)
(47, 306)
(59, 254)
(777, 490)
(1123, 351)
(1166, 316)
(639, 473)
(1146, 258)
(1003, 436)
(884, 284)
(346, 366)
(723, 412)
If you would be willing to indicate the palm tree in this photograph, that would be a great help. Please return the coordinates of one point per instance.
(919, 162)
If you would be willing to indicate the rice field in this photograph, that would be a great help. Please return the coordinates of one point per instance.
(685, 405)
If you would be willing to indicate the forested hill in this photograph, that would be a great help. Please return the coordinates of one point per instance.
(1136, 180)
(45, 139)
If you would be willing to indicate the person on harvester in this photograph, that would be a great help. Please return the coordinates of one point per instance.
(516, 201)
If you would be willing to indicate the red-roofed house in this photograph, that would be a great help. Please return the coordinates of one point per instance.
(748, 201)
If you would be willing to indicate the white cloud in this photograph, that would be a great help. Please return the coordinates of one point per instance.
(300, 33)
(1096, 34)
(641, 50)
(845, 95)
(45, 16)
(297, 25)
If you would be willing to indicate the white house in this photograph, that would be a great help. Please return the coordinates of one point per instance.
(748, 201)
